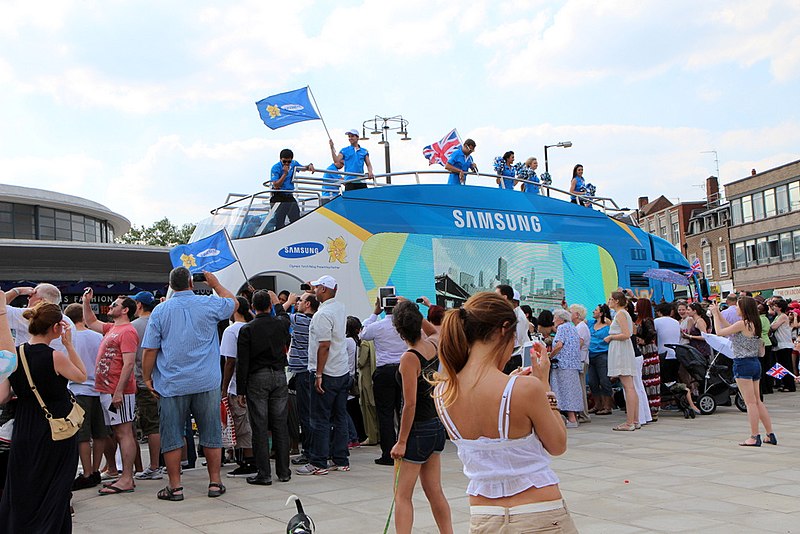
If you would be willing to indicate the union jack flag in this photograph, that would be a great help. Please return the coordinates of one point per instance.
(778, 371)
(440, 151)
(695, 268)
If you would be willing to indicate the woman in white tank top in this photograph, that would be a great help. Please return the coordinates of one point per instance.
(505, 428)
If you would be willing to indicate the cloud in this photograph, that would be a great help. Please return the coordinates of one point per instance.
(69, 173)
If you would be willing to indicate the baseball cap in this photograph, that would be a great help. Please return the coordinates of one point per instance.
(327, 281)
(352, 132)
(516, 295)
(145, 297)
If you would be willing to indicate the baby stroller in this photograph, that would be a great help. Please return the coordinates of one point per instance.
(715, 379)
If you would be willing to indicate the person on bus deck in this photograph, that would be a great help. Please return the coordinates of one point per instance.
(281, 183)
(577, 187)
(353, 158)
(506, 171)
(528, 172)
(459, 162)
(330, 183)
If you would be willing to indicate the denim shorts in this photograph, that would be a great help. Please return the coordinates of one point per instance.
(204, 407)
(747, 368)
(425, 439)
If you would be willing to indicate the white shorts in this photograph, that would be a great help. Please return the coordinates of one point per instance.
(117, 416)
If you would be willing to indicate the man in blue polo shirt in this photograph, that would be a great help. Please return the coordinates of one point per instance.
(460, 161)
(282, 201)
(353, 158)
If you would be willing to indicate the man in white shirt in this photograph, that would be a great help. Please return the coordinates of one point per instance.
(389, 346)
(19, 325)
(521, 336)
(327, 359)
(668, 332)
(731, 313)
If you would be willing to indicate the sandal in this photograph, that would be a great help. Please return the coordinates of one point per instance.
(171, 494)
(219, 491)
(757, 442)
(111, 489)
(624, 427)
(603, 412)
(771, 439)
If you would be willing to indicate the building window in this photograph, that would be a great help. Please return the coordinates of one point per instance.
(722, 259)
(736, 211)
(747, 209)
(769, 202)
(796, 240)
(782, 199)
(786, 246)
(774, 248)
(739, 256)
(708, 269)
(750, 248)
(676, 234)
(762, 251)
(794, 196)
(758, 206)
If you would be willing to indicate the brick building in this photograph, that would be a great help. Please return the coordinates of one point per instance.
(667, 220)
(765, 229)
(707, 239)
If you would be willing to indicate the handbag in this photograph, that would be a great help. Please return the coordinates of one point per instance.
(61, 428)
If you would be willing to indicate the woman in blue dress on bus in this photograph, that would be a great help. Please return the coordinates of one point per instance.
(506, 171)
(528, 172)
(577, 188)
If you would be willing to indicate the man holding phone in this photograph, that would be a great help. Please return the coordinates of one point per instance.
(114, 379)
(281, 182)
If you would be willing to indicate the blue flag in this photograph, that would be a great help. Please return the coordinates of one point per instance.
(212, 253)
(284, 109)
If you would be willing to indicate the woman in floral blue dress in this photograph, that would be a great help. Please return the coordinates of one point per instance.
(565, 375)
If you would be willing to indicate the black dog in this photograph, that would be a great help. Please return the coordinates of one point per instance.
(300, 523)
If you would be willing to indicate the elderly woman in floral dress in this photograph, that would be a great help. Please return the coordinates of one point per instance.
(564, 377)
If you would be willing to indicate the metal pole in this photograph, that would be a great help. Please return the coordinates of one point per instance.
(388, 162)
(546, 167)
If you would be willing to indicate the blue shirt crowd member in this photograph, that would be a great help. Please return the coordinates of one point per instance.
(506, 171)
(353, 157)
(460, 161)
(281, 181)
(330, 184)
(578, 185)
(528, 172)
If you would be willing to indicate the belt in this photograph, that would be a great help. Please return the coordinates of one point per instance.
(545, 506)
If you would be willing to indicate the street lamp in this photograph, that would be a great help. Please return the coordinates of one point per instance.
(562, 144)
(383, 125)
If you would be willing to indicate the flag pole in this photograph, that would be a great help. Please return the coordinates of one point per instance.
(318, 112)
(235, 255)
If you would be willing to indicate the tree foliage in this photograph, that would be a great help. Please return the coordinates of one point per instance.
(161, 234)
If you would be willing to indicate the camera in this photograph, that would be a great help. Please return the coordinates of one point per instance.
(389, 302)
(305, 287)
(420, 300)
(198, 277)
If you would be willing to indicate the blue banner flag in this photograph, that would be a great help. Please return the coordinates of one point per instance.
(284, 109)
(212, 253)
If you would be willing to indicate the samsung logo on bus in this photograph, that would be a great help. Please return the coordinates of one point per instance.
(489, 220)
(301, 250)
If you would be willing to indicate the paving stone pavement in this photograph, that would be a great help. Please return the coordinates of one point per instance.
(675, 475)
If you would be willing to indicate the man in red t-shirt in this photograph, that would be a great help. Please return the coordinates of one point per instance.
(115, 381)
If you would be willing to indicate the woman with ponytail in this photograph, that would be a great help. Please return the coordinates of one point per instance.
(40, 470)
(504, 440)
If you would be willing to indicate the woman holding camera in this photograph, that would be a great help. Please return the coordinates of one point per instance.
(504, 440)
(40, 470)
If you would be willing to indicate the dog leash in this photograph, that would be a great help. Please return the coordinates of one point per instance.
(394, 495)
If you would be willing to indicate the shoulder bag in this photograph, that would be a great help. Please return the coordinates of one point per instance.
(61, 428)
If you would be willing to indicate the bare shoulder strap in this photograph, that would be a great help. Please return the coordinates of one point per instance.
(30, 381)
(448, 423)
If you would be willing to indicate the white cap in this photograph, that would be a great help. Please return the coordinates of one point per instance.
(352, 132)
(327, 281)
(516, 295)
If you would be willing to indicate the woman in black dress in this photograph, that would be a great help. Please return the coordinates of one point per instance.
(40, 470)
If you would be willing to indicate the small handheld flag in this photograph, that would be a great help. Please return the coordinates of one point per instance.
(778, 371)
(287, 108)
(695, 268)
(440, 151)
(212, 253)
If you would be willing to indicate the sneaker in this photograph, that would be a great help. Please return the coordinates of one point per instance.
(333, 467)
(105, 476)
(300, 460)
(82, 482)
(310, 469)
(384, 461)
(354, 444)
(243, 471)
(149, 474)
(572, 424)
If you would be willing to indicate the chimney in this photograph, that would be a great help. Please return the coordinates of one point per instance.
(712, 191)
(643, 201)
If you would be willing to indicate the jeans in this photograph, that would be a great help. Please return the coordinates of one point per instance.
(267, 397)
(388, 402)
(174, 412)
(303, 386)
(425, 439)
(332, 404)
(597, 375)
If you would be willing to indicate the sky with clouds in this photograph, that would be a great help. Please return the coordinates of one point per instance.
(148, 107)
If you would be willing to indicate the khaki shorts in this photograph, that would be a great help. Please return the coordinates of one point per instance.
(241, 422)
(557, 520)
(147, 411)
